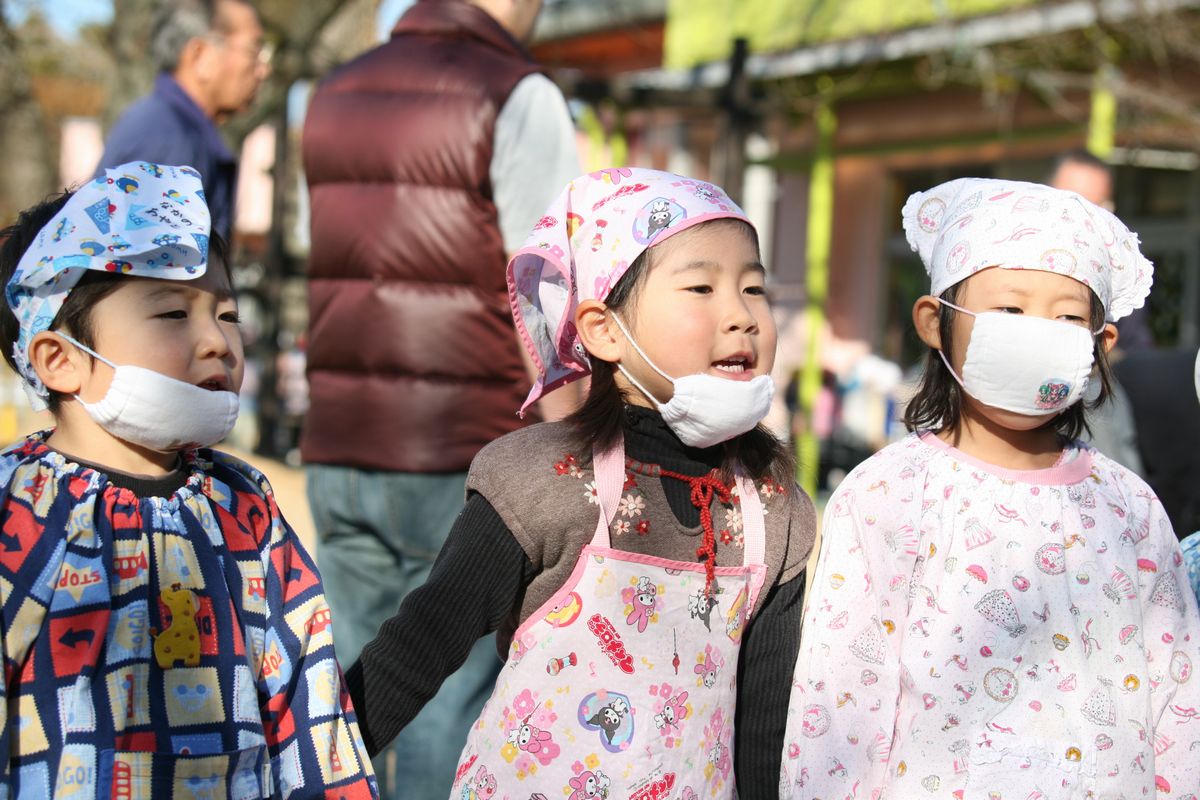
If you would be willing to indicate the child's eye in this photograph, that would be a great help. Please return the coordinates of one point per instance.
(1010, 310)
(700, 289)
(1071, 318)
(231, 316)
(177, 314)
(757, 291)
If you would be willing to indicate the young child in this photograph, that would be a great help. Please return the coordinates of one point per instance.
(643, 560)
(999, 611)
(165, 634)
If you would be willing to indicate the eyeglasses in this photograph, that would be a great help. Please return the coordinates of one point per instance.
(262, 52)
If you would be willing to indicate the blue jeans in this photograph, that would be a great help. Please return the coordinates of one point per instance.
(377, 536)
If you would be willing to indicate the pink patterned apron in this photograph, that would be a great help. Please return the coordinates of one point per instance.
(623, 685)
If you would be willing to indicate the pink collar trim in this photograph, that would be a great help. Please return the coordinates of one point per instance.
(1062, 473)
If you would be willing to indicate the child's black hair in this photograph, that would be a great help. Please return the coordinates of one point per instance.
(598, 421)
(937, 403)
(75, 315)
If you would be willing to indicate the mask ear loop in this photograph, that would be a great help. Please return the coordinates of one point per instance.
(942, 354)
(645, 358)
(973, 314)
(85, 348)
(90, 352)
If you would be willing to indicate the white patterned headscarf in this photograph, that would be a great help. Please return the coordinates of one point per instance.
(970, 224)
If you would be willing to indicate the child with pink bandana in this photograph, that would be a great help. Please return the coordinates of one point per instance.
(642, 561)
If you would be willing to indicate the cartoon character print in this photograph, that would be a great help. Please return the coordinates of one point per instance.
(671, 711)
(608, 713)
(655, 217)
(481, 786)
(705, 192)
(641, 603)
(708, 666)
(719, 761)
(534, 740)
(566, 610)
(526, 724)
(660, 217)
(588, 784)
(735, 622)
(609, 718)
(1051, 394)
(701, 606)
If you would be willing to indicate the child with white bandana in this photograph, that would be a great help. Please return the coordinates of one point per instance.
(999, 611)
(164, 632)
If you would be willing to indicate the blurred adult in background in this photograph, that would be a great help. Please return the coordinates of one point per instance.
(1152, 426)
(211, 61)
(1088, 176)
(1162, 395)
(429, 159)
(1112, 428)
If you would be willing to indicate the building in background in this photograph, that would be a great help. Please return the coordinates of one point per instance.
(822, 118)
(821, 122)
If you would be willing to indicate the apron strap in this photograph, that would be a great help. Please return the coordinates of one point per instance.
(754, 527)
(608, 467)
(608, 471)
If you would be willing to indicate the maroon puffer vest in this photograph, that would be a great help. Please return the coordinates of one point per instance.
(413, 363)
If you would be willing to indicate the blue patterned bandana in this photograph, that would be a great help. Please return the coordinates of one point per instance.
(139, 219)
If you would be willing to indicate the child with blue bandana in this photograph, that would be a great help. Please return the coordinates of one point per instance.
(164, 632)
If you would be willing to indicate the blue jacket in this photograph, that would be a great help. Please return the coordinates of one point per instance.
(167, 127)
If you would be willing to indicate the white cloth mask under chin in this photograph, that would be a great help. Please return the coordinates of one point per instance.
(158, 412)
(705, 410)
(1025, 364)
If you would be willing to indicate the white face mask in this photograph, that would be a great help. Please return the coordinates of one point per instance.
(1025, 364)
(705, 410)
(158, 412)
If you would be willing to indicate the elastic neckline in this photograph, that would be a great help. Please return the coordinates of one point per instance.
(65, 466)
(1064, 471)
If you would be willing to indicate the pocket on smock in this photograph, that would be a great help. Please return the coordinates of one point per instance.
(1047, 769)
(131, 775)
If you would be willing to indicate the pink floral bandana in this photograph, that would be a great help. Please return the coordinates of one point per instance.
(970, 224)
(582, 246)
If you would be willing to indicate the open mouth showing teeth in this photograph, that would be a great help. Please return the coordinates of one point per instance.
(734, 366)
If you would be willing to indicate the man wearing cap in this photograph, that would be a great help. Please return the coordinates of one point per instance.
(429, 159)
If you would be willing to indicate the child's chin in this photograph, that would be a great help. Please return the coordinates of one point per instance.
(1017, 422)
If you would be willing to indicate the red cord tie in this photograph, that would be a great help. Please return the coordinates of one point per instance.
(703, 490)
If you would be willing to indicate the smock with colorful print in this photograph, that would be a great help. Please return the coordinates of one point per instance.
(975, 633)
(160, 647)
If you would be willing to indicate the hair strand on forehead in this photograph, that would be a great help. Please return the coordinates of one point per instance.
(598, 421)
(937, 403)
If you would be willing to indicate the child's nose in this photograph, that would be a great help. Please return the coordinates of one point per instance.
(214, 342)
(739, 317)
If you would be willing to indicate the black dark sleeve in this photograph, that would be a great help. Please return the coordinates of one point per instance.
(478, 577)
(765, 668)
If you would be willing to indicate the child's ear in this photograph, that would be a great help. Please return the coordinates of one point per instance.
(597, 331)
(57, 364)
(1108, 337)
(927, 316)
